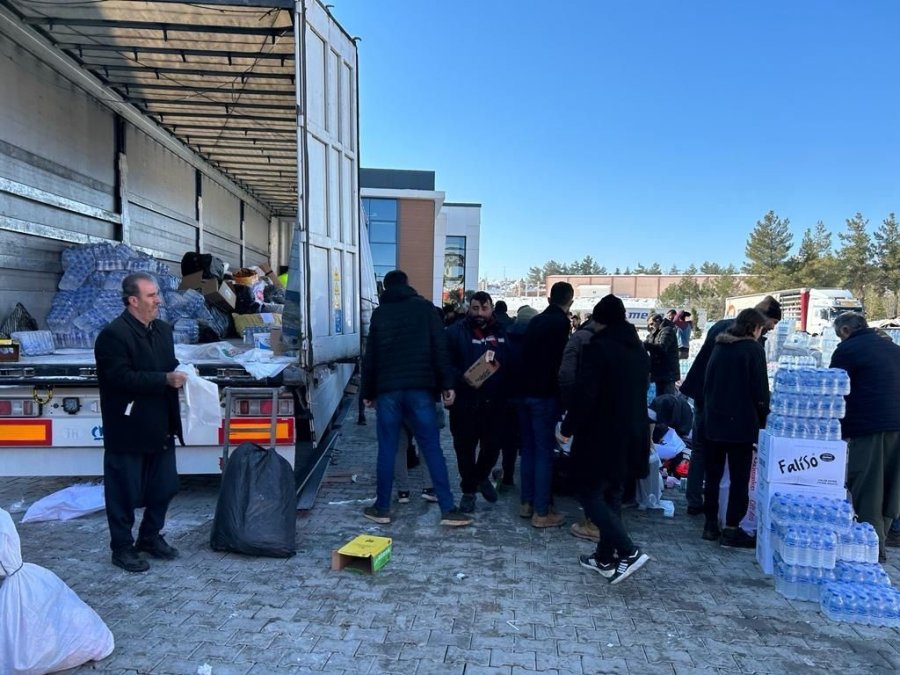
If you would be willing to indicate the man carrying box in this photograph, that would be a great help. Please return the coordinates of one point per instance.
(477, 347)
(871, 425)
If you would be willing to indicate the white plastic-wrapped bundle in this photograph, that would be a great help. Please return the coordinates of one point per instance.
(44, 626)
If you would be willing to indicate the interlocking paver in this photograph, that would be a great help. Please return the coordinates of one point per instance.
(524, 604)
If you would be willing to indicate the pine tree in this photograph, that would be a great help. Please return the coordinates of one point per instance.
(654, 269)
(855, 255)
(887, 259)
(673, 270)
(768, 250)
(690, 270)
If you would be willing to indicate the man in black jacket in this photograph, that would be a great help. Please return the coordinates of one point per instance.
(139, 403)
(871, 425)
(662, 345)
(545, 340)
(477, 417)
(692, 387)
(404, 367)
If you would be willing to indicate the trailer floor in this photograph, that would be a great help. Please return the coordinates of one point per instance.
(499, 597)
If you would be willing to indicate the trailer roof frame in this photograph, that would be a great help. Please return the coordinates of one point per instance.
(149, 56)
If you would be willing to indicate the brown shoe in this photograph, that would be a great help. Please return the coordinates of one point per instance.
(526, 510)
(585, 530)
(550, 520)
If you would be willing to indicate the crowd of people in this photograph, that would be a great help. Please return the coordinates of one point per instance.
(518, 386)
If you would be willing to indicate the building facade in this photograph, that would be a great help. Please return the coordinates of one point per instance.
(631, 285)
(413, 228)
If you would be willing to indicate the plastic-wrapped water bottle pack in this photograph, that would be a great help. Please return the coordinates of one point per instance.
(801, 582)
(859, 544)
(874, 605)
(34, 342)
(811, 510)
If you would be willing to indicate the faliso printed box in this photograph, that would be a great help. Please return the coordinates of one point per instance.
(801, 461)
(365, 553)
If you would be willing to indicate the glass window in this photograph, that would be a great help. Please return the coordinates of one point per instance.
(454, 270)
(381, 215)
(384, 254)
(383, 232)
(381, 209)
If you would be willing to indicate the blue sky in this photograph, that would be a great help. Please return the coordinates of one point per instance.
(634, 131)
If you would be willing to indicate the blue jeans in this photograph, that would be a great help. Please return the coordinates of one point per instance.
(537, 421)
(416, 406)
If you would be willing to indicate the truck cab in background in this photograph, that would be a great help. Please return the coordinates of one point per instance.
(813, 310)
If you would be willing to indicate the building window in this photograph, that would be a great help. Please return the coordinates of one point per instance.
(381, 214)
(454, 270)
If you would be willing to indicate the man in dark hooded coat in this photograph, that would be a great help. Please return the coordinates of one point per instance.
(611, 444)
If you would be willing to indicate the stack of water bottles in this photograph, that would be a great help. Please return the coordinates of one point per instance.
(90, 289)
(822, 555)
(808, 402)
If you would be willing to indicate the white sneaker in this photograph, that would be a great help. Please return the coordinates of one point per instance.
(628, 566)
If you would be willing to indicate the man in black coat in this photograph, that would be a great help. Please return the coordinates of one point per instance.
(871, 425)
(404, 368)
(611, 443)
(139, 387)
(545, 340)
(662, 345)
(737, 403)
(478, 415)
(692, 387)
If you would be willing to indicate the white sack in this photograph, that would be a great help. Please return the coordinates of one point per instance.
(202, 399)
(44, 626)
(669, 445)
(68, 503)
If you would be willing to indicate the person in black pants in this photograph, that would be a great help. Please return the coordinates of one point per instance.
(736, 403)
(692, 387)
(139, 386)
(608, 423)
(478, 416)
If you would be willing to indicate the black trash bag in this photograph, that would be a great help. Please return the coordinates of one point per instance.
(245, 302)
(211, 266)
(19, 319)
(256, 513)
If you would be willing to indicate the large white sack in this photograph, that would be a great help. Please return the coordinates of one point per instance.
(68, 503)
(44, 626)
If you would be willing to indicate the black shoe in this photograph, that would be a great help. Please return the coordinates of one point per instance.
(403, 497)
(892, 539)
(467, 504)
(129, 560)
(629, 565)
(157, 547)
(488, 491)
(735, 537)
(377, 515)
(604, 569)
(455, 518)
(695, 510)
(711, 533)
(428, 495)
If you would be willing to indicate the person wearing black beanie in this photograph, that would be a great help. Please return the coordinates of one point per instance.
(610, 434)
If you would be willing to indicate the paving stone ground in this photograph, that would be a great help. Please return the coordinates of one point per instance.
(499, 597)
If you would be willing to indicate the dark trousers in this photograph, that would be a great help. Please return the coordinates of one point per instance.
(873, 478)
(132, 480)
(511, 441)
(697, 467)
(477, 434)
(740, 458)
(602, 503)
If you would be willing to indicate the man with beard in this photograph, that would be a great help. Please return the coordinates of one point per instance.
(611, 444)
(477, 417)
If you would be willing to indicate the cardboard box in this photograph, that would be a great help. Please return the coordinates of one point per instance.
(216, 294)
(276, 343)
(479, 372)
(364, 553)
(802, 461)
